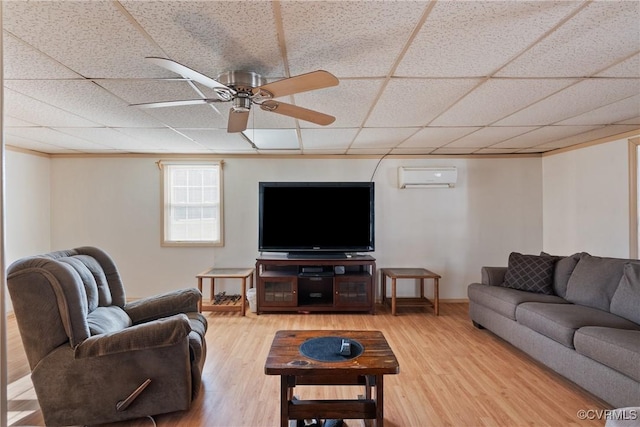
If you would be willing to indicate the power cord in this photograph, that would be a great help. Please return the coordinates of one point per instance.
(378, 164)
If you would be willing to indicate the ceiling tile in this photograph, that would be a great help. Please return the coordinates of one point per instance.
(164, 140)
(273, 139)
(475, 38)
(192, 116)
(29, 144)
(542, 135)
(381, 137)
(213, 36)
(349, 102)
(107, 137)
(218, 140)
(92, 38)
(497, 98)
(137, 91)
(416, 102)
(13, 122)
(466, 76)
(85, 99)
(588, 136)
(327, 139)
(616, 112)
(56, 138)
(489, 136)
(347, 38)
(575, 100)
(26, 108)
(600, 35)
(436, 136)
(21, 61)
(632, 121)
(627, 68)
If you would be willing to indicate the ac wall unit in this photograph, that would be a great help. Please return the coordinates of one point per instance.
(423, 177)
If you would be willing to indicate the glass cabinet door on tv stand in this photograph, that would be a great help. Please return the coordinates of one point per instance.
(279, 291)
(315, 285)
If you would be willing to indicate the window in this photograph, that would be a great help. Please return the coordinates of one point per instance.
(192, 203)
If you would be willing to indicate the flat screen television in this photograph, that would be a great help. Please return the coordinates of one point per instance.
(316, 219)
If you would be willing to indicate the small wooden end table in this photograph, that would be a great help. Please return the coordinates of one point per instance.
(226, 273)
(410, 273)
(367, 369)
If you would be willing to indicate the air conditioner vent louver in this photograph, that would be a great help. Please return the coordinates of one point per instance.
(427, 177)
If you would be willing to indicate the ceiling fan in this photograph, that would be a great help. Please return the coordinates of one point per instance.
(244, 88)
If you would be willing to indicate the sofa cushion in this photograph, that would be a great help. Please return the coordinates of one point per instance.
(594, 281)
(619, 349)
(626, 301)
(564, 266)
(505, 300)
(104, 320)
(560, 321)
(530, 273)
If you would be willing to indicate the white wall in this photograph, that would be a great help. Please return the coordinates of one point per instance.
(28, 226)
(586, 200)
(28, 205)
(563, 203)
(114, 203)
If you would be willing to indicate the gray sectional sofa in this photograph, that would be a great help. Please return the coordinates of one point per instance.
(579, 315)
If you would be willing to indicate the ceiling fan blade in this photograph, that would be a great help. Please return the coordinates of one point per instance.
(188, 73)
(297, 112)
(297, 84)
(173, 103)
(237, 121)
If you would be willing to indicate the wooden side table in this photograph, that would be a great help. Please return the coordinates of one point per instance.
(410, 273)
(226, 273)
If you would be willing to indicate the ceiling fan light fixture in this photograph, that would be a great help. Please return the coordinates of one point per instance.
(241, 104)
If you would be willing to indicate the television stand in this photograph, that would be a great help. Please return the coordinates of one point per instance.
(316, 255)
(307, 285)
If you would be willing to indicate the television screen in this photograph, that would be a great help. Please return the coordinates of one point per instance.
(304, 218)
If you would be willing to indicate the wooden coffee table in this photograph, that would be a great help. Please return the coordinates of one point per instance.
(368, 369)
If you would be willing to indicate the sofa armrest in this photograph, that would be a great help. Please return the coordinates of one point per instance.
(163, 305)
(493, 276)
(158, 333)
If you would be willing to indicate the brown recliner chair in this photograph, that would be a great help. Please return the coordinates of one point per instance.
(94, 357)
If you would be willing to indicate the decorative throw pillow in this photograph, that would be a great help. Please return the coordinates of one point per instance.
(530, 273)
(626, 301)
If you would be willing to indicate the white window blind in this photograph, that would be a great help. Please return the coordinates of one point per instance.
(192, 203)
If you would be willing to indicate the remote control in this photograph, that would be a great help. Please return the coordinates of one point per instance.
(345, 348)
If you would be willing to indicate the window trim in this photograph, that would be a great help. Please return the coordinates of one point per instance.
(163, 203)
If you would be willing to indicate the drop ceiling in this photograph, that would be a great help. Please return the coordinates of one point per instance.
(424, 78)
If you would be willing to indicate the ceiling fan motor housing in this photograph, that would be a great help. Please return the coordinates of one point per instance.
(243, 82)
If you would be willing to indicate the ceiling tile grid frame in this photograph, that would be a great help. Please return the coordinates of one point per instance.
(405, 67)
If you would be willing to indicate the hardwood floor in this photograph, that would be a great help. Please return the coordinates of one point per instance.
(451, 374)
